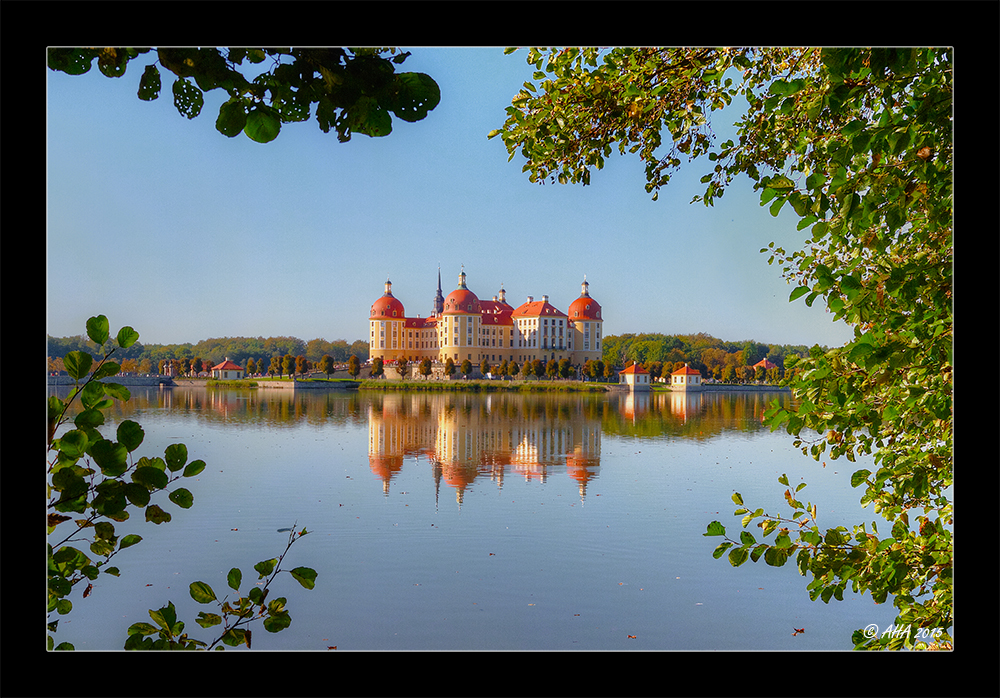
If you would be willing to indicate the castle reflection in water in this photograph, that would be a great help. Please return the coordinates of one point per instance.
(465, 437)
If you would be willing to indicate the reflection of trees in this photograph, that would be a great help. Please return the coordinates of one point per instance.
(259, 407)
(470, 436)
(699, 415)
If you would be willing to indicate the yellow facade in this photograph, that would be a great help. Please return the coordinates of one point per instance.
(464, 328)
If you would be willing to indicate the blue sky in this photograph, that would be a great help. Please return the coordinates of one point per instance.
(165, 224)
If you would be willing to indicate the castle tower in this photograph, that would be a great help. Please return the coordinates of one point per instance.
(460, 325)
(386, 322)
(585, 316)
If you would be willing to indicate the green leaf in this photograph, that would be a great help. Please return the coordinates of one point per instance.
(202, 592)
(798, 293)
(265, 567)
(859, 477)
(811, 537)
(110, 456)
(208, 620)
(97, 329)
(369, 118)
(232, 118)
(89, 418)
(156, 515)
(128, 541)
(176, 456)
(127, 337)
(277, 622)
(73, 444)
(149, 84)
(776, 557)
(746, 538)
(151, 478)
(721, 549)
(833, 537)
(182, 498)
(130, 435)
(105, 530)
(715, 529)
(234, 637)
(108, 368)
(188, 98)
(306, 576)
(738, 499)
(118, 392)
(193, 468)
(262, 125)
(165, 617)
(141, 629)
(77, 364)
(775, 207)
(416, 94)
(92, 396)
(738, 556)
(234, 578)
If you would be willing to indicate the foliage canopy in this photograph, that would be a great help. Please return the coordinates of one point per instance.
(858, 143)
(354, 90)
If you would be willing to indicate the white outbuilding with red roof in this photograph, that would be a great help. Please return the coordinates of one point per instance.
(227, 370)
(685, 378)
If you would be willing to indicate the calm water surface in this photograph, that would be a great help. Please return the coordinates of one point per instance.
(472, 522)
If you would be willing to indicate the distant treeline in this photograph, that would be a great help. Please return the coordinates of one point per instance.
(215, 350)
(713, 357)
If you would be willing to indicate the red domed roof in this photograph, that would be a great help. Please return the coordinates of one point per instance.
(385, 306)
(584, 308)
(461, 300)
(388, 305)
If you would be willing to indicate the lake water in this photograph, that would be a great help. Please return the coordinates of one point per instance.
(461, 521)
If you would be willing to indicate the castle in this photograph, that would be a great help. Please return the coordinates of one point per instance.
(462, 327)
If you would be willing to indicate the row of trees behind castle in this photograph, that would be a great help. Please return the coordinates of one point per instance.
(660, 354)
(725, 361)
(187, 358)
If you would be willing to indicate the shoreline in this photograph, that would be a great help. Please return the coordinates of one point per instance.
(383, 385)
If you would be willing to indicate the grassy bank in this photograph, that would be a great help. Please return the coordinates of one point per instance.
(213, 383)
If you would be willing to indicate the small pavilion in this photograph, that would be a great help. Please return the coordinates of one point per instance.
(635, 378)
(227, 370)
(686, 378)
